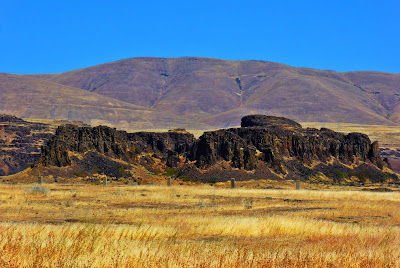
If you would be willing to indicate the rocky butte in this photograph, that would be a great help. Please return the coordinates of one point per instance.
(264, 147)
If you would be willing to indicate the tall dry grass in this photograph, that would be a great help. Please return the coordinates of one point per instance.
(157, 226)
(388, 136)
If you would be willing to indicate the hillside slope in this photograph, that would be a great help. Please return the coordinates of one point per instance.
(28, 97)
(219, 92)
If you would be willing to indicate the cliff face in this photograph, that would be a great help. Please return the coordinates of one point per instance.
(20, 143)
(111, 143)
(280, 148)
(245, 147)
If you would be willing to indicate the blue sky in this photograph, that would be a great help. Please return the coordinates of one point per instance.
(56, 36)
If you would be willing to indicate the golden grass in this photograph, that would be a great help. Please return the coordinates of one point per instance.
(388, 136)
(196, 132)
(197, 226)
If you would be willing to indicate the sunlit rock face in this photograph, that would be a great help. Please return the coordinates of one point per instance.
(276, 145)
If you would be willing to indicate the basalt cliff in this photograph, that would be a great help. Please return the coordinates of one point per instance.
(20, 143)
(264, 147)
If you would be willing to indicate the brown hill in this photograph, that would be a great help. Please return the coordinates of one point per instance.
(220, 92)
(29, 97)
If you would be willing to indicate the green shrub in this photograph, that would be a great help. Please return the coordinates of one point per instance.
(172, 172)
(185, 178)
(340, 174)
(78, 173)
(96, 170)
(121, 170)
(364, 176)
(212, 181)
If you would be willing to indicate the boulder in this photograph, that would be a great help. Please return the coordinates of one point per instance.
(267, 121)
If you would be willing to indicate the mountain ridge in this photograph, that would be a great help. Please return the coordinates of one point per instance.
(29, 97)
(217, 93)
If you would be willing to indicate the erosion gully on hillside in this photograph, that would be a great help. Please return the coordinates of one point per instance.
(200, 93)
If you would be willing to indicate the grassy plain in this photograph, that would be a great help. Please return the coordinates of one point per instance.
(387, 136)
(197, 226)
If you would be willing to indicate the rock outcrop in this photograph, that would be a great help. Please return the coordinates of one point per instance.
(263, 145)
(244, 147)
(259, 120)
(111, 143)
(20, 143)
(5, 118)
(290, 152)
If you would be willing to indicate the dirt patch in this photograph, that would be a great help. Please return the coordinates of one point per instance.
(381, 189)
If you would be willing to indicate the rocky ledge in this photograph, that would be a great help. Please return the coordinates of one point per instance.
(264, 147)
(267, 121)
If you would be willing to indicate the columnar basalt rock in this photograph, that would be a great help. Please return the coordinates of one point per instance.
(280, 144)
(20, 143)
(274, 144)
(10, 119)
(110, 142)
(179, 142)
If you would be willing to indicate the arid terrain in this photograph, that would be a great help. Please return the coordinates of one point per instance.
(57, 225)
(200, 93)
(78, 129)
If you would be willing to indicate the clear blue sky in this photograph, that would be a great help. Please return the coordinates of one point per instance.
(56, 36)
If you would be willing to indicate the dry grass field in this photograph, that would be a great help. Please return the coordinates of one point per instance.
(388, 136)
(197, 226)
